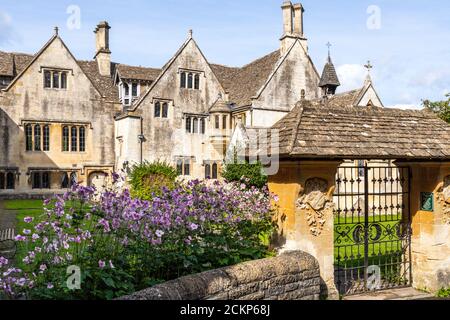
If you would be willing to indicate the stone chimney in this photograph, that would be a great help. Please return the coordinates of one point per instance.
(103, 54)
(292, 26)
(298, 19)
(288, 27)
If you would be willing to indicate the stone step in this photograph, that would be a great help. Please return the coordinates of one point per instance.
(393, 294)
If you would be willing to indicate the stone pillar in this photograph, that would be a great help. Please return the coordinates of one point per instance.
(305, 190)
(430, 243)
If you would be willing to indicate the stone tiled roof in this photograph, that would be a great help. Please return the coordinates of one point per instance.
(220, 106)
(329, 75)
(244, 83)
(318, 129)
(11, 63)
(138, 73)
(103, 84)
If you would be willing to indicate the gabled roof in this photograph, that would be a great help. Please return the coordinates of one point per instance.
(329, 75)
(14, 64)
(103, 84)
(242, 84)
(316, 129)
(137, 73)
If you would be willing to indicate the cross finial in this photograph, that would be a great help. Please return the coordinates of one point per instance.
(368, 66)
(329, 45)
(56, 31)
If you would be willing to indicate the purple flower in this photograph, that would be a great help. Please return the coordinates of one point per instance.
(50, 286)
(193, 226)
(101, 264)
(28, 219)
(20, 238)
(43, 267)
(159, 233)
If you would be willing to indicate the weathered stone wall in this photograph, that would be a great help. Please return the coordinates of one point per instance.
(305, 217)
(293, 275)
(80, 104)
(430, 241)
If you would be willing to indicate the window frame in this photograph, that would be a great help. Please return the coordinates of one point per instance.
(73, 139)
(165, 110)
(214, 171)
(37, 137)
(224, 122)
(58, 79)
(188, 124)
(10, 181)
(157, 110)
(183, 80)
(195, 127)
(29, 137)
(65, 137)
(82, 139)
(46, 138)
(217, 122)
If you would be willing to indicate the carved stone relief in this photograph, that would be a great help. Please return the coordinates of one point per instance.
(315, 201)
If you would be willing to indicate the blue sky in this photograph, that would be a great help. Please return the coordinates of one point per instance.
(410, 51)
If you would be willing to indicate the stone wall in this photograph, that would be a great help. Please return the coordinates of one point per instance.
(293, 275)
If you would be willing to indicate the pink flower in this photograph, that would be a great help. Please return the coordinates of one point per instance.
(101, 264)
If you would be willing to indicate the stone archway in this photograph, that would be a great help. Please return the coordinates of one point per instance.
(98, 179)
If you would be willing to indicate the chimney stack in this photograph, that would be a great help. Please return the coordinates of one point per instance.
(298, 19)
(103, 54)
(292, 26)
(287, 18)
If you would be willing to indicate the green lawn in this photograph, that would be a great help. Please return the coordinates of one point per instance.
(386, 252)
(24, 208)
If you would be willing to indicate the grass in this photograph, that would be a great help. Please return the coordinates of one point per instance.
(387, 252)
(23, 209)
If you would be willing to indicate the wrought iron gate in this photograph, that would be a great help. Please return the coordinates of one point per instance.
(372, 229)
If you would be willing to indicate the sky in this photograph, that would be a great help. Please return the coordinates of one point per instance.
(407, 42)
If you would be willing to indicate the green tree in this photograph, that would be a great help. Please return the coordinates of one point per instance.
(249, 173)
(441, 108)
(148, 179)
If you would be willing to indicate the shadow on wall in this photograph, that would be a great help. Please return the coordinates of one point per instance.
(293, 275)
(32, 170)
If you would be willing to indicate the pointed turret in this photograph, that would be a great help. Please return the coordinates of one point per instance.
(329, 80)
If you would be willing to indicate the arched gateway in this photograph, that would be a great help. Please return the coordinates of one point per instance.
(364, 190)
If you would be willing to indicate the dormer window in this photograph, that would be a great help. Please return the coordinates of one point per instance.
(190, 80)
(128, 92)
(55, 79)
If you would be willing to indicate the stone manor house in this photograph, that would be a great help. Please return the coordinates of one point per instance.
(64, 120)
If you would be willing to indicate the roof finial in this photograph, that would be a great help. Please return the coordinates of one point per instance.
(369, 67)
(190, 33)
(56, 31)
(329, 45)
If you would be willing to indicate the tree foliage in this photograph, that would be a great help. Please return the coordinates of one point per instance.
(148, 179)
(251, 174)
(441, 108)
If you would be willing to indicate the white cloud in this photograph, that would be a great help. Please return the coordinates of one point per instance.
(351, 76)
(6, 28)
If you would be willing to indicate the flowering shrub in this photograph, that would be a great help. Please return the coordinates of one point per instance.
(123, 244)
